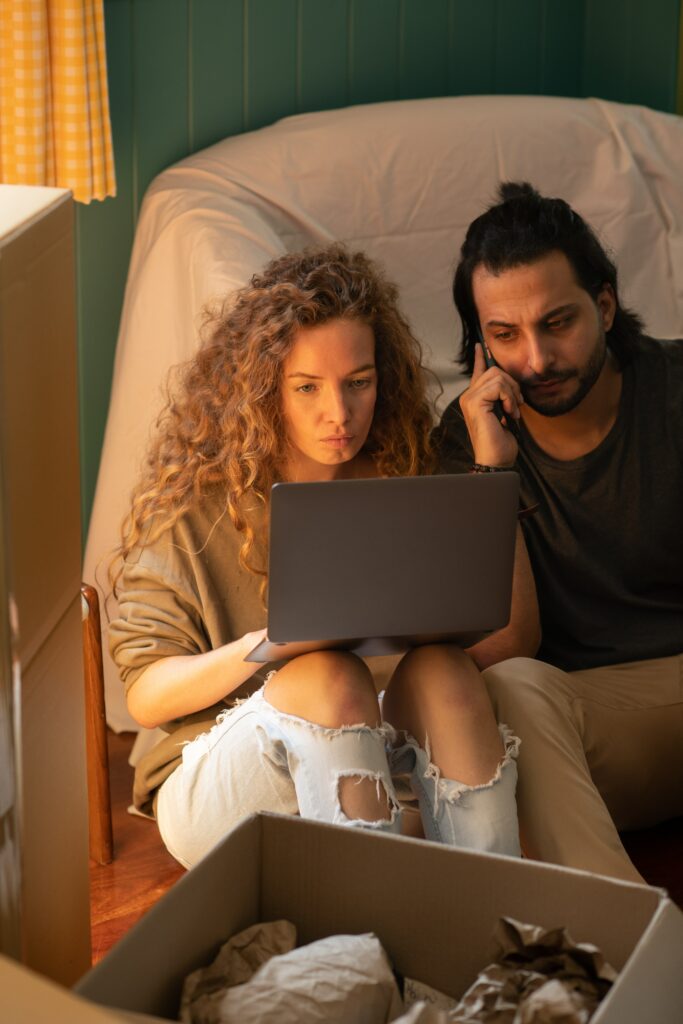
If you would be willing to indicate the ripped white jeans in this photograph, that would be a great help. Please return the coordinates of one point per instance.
(257, 758)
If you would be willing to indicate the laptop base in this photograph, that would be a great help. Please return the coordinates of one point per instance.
(272, 650)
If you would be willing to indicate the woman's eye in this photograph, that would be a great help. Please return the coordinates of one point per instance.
(503, 336)
(358, 383)
(306, 389)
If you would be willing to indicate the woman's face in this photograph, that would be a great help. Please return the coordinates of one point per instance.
(329, 389)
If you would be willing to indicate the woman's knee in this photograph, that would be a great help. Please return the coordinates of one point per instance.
(441, 672)
(331, 688)
(434, 663)
(434, 686)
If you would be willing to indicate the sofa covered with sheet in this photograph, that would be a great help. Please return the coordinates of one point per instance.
(401, 181)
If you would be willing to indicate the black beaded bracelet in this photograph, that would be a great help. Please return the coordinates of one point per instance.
(477, 467)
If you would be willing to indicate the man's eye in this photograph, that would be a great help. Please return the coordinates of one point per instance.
(503, 335)
(557, 325)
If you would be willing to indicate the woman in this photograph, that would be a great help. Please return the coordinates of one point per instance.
(311, 373)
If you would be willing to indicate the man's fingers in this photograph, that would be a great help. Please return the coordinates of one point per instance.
(494, 373)
(497, 386)
(479, 363)
(511, 397)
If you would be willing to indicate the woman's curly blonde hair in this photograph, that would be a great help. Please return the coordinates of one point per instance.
(222, 426)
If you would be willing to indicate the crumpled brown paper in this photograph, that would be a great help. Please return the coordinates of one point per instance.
(541, 977)
(236, 963)
(344, 979)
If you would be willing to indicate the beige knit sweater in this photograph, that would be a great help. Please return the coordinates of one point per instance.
(184, 594)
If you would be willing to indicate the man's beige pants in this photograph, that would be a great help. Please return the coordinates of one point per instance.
(602, 750)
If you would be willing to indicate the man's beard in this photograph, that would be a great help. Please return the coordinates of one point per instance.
(585, 379)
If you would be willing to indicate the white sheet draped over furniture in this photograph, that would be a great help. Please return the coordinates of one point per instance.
(401, 181)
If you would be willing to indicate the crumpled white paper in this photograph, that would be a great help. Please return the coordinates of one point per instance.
(236, 963)
(424, 1013)
(343, 979)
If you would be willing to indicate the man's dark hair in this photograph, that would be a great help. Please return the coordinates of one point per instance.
(522, 228)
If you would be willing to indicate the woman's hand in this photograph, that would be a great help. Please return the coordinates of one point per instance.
(182, 684)
(493, 444)
(251, 640)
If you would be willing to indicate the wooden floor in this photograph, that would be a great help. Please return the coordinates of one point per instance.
(658, 855)
(142, 870)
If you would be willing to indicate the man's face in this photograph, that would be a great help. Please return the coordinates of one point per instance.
(545, 330)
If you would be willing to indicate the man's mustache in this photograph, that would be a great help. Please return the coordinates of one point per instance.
(546, 378)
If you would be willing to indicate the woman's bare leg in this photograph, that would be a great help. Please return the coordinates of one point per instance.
(462, 766)
(437, 695)
(334, 689)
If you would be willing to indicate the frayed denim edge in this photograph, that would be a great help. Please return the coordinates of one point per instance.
(452, 790)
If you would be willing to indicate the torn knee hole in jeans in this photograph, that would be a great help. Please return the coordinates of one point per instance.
(383, 731)
(387, 803)
(451, 790)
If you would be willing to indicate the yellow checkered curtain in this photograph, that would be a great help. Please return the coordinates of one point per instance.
(54, 103)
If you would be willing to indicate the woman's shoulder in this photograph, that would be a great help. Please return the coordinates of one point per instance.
(203, 534)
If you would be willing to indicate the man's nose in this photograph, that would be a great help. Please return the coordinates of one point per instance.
(539, 356)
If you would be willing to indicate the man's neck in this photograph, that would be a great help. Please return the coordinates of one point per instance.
(580, 431)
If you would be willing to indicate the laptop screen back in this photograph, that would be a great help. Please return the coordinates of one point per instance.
(391, 557)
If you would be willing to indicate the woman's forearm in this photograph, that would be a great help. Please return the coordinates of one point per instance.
(176, 686)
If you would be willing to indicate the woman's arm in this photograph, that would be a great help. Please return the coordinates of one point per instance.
(179, 685)
(522, 635)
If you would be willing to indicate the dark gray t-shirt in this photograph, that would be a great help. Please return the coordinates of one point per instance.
(606, 544)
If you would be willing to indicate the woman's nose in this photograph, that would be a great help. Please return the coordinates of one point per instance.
(337, 409)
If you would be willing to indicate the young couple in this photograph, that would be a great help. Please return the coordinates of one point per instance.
(312, 373)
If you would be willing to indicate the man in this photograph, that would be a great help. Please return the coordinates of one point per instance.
(567, 390)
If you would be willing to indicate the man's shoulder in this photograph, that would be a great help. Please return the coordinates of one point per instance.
(667, 352)
(657, 368)
(452, 417)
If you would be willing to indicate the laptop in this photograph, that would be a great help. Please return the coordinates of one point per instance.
(377, 566)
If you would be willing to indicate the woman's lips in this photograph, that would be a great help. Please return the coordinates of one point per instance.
(338, 441)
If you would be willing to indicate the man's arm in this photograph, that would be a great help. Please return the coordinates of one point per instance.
(470, 432)
(522, 635)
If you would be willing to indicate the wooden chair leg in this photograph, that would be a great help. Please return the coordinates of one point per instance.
(99, 797)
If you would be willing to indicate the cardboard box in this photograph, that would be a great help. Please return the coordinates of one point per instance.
(40, 524)
(27, 997)
(433, 908)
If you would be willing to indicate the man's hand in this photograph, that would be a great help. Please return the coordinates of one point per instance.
(493, 444)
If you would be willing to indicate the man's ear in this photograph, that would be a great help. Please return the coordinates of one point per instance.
(607, 306)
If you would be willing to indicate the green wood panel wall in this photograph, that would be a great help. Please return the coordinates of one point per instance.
(271, 55)
(323, 44)
(631, 51)
(161, 63)
(104, 237)
(373, 53)
(184, 73)
(423, 54)
(215, 39)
